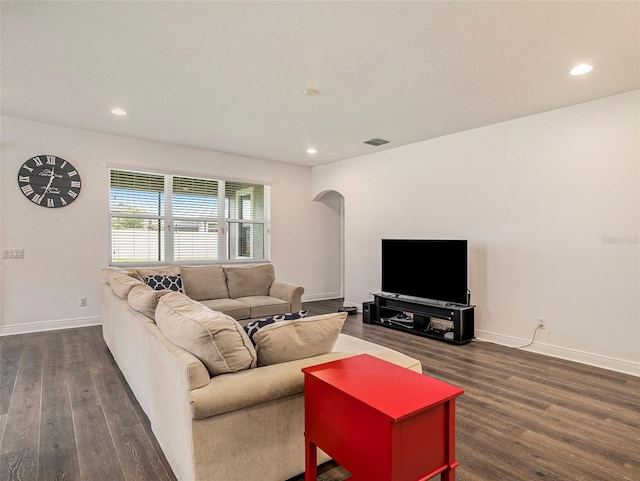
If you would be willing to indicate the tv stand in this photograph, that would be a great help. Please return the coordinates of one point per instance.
(445, 322)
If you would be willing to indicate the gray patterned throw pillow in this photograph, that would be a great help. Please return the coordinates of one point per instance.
(254, 326)
(160, 282)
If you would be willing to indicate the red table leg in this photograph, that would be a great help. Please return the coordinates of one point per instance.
(449, 474)
(311, 462)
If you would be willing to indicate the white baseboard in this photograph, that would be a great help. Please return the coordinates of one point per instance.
(320, 297)
(12, 329)
(597, 360)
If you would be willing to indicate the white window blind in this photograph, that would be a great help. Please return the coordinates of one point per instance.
(166, 218)
(137, 217)
(195, 219)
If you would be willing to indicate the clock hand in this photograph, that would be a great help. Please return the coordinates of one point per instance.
(51, 177)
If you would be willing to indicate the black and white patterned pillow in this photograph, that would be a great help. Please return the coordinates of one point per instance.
(254, 326)
(160, 282)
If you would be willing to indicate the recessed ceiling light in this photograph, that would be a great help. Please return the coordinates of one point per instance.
(311, 150)
(118, 111)
(581, 69)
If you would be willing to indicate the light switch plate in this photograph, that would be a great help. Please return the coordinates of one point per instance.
(13, 254)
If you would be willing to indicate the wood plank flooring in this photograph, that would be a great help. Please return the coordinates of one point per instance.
(66, 412)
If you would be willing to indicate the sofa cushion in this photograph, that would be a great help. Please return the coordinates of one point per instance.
(254, 326)
(249, 388)
(231, 307)
(213, 337)
(109, 272)
(264, 306)
(121, 284)
(204, 282)
(144, 299)
(161, 282)
(347, 343)
(244, 281)
(285, 341)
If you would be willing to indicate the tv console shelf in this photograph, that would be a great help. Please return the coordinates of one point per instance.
(445, 322)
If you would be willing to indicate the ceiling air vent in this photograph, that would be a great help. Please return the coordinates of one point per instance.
(376, 141)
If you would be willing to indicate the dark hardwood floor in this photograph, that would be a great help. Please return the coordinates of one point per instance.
(66, 412)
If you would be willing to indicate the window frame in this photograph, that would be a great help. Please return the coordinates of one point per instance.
(167, 219)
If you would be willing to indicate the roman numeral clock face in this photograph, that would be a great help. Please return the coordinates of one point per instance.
(49, 181)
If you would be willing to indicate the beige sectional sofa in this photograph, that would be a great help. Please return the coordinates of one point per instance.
(242, 292)
(223, 406)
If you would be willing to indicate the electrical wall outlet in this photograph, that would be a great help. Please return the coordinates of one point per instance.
(541, 323)
(83, 301)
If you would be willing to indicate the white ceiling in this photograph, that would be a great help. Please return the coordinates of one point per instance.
(230, 76)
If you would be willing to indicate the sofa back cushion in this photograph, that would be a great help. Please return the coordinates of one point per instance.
(121, 284)
(203, 283)
(143, 298)
(109, 272)
(245, 281)
(284, 341)
(213, 337)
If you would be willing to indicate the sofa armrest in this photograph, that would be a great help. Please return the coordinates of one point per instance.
(288, 292)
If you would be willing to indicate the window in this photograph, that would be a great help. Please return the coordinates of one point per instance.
(169, 218)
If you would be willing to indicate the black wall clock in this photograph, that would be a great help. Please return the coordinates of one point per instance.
(49, 181)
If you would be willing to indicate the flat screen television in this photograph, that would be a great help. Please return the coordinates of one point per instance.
(432, 269)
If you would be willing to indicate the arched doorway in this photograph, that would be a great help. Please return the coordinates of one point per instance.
(334, 201)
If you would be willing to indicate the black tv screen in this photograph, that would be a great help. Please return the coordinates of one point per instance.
(432, 269)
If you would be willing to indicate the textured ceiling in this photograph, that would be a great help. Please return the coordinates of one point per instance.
(230, 76)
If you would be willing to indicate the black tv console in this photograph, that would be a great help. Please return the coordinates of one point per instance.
(445, 322)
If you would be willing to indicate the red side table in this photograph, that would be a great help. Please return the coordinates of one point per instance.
(380, 421)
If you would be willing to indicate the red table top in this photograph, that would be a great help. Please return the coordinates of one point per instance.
(393, 390)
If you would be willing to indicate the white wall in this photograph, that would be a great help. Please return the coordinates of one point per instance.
(550, 206)
(66, 248)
